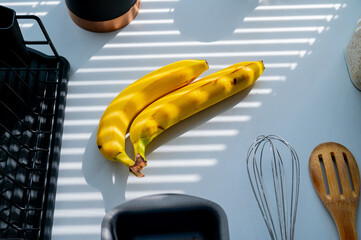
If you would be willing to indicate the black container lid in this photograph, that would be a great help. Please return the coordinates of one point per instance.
(99, 10)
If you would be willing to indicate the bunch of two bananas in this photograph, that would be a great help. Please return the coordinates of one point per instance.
(163, 98)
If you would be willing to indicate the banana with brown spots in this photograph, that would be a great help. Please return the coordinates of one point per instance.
(188, 100)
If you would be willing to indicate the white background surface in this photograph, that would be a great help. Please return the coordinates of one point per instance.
(305, 96)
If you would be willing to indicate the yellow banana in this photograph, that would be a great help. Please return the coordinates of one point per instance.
(188, 100)
(118, 116)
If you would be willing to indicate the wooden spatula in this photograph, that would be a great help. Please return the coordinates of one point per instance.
(336, 178)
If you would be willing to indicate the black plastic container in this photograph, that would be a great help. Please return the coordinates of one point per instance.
(99, 10)
(12, 46)
(166, 216)
(32, 103)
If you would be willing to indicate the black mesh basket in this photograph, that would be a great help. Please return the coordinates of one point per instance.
(32, 103)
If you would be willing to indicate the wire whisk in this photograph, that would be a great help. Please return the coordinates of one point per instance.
(267, 160)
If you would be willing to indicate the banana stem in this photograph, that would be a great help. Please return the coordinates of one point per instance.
(140, 163)
(135, 167)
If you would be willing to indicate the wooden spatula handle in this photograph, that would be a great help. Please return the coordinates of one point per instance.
(346, 226)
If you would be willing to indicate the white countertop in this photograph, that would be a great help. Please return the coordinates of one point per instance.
(305, 96)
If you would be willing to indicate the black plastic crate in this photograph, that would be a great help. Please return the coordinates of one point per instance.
(32, 103)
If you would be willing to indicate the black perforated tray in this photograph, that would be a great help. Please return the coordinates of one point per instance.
(32, 103)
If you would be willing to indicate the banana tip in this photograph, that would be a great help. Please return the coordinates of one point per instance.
(137, 168)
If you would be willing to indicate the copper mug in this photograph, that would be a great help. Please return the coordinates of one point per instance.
(103, 15)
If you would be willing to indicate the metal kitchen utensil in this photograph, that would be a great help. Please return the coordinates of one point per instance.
(12, 46)
(32, 103)
(268, 159)
(336, 178)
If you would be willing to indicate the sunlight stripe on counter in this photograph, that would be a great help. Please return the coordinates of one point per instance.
(256, 91)
(99, 82)
(178, 148)
(174, 178)
(192, 148)
(289, 18)
(154, 163)
(155, 10)
(335, 6)
(135, 194)
(26, 25)
(97, 196)
(69, 181)
(152, 21)
(271, 78)
(78, 196)
(32, 3)
(39, 14)
(216, 43)
(237, 118)
(76, 109)
(84, 122)
(74, 229)
(211, 133)
(76, 136)
(318, 29)
(245, 104)
(300, 53)
(72, 151)
(72, 109)
(41, 3)
(165, 179)
(116, 69)
(79, 213)
(81, 83)
(13, 4)
(147, 33)
(211, 67)
(70, 165)
(184, 163)
(91, 95)
(94, 122)
(191, 133)
(290, 65)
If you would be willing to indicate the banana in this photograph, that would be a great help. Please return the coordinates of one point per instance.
(188, 100)
(119, 114)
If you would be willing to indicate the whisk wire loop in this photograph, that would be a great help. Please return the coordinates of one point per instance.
(285, 210)
(258, 178)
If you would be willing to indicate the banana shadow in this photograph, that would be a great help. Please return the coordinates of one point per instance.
(110, 178)
(196, 120)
